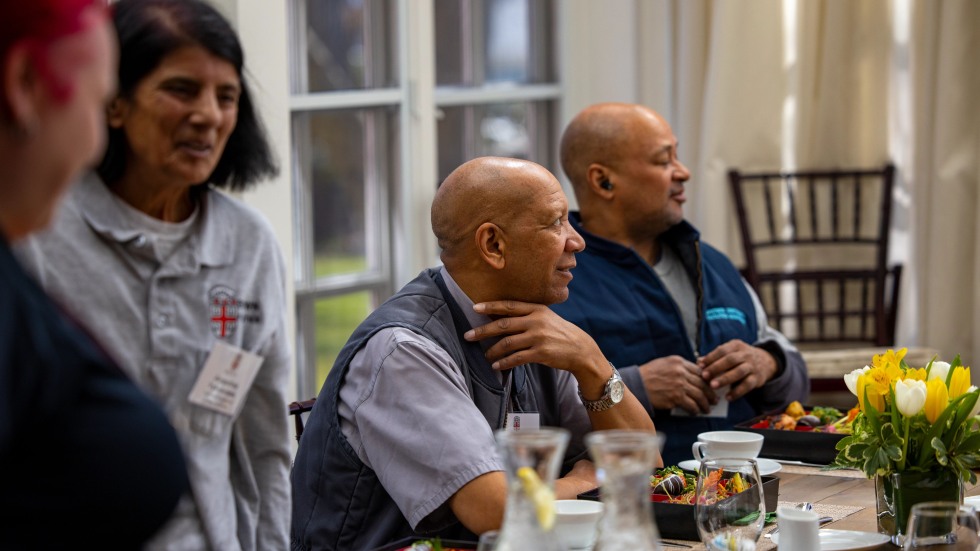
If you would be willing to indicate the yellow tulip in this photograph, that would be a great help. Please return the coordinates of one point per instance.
(881, 379)
(915, 374)
(889, 359)
(937, 398)
(959, 382)
(876, 400)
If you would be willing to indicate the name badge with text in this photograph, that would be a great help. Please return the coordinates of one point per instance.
(225, 379)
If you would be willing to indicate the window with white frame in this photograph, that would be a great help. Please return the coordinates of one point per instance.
(354, 100)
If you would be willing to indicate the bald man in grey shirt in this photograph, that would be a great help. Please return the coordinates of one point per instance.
(383, 374)
(400, 441)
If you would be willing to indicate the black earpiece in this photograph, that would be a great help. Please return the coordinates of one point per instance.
(605, 184)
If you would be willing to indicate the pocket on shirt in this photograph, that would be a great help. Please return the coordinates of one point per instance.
(206, 422)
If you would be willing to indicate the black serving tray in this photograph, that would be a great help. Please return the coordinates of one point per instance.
(794, 445)
(406, 542)
(676, 521)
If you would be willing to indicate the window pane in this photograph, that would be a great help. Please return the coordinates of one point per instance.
(488, 41)
(502, 129)
(348, 45)
(346, 155)
(450, 45)
(507, 38)
(336, 318)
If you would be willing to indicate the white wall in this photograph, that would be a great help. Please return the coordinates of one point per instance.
(262, 28)
(606, 54)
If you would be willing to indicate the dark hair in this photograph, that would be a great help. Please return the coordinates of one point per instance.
(148, 31)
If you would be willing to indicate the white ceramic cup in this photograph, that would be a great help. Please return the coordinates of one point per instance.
(576, 522)
(798, 529)
(727, 443)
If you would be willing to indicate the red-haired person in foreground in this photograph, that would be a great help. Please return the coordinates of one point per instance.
(186, 282)
(85, 457)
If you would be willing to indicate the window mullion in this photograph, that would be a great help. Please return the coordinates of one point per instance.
(411, 237)
(299, 73)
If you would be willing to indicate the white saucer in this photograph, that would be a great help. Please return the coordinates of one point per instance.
(845, 540)
(766, 466)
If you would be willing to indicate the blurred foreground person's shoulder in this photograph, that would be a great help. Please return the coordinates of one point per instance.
(85, 457)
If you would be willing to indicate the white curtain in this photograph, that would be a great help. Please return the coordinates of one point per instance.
(769, 84)
(945, 148)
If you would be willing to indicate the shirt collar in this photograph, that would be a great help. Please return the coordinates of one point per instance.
(103, 212)
(474, 318)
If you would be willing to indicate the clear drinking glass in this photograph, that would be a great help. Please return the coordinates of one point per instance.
(729, 506)
(942, 525)
(488, 541)
(624, 460)
(532, 459)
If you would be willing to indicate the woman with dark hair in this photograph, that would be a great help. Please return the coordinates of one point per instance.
(186, 284)
(86, 458)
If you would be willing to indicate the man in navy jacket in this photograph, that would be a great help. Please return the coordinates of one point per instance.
(670, 311)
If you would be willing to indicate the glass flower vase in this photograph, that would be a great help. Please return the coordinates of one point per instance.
(624, 461)
(896, 493)
(532, 459)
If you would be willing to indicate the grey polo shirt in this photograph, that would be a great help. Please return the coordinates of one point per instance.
(159, 313)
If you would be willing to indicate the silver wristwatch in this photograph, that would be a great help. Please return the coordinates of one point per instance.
(612, 395)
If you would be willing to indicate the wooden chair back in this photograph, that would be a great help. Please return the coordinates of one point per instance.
(816, 250)
(296, 410)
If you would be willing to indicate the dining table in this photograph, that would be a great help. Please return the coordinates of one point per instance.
(845, 495)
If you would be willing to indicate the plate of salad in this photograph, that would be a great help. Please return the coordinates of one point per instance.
(802, 433)
(672, 494)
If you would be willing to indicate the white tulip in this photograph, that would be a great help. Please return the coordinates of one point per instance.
(851, 379)
(910, 396)
(939, 370)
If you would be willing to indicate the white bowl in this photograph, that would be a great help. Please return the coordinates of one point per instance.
(576, 522)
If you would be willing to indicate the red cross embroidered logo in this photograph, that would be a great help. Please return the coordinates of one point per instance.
(224, 311)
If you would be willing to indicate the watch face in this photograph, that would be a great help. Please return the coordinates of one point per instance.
(616, 392)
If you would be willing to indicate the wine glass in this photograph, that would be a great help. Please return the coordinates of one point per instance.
(936, 525)
(729, 505)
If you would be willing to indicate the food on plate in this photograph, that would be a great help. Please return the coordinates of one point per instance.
(429, 545)
(795, 410)
(673, 485)
(670, 485)
(817, 419)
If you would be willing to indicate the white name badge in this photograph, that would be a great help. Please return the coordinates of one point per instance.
(227, 375)
(522, 421)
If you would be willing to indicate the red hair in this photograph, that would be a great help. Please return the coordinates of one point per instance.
(40, 22)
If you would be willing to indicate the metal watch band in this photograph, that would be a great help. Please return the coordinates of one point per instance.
(606, 400)
(601, 404)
